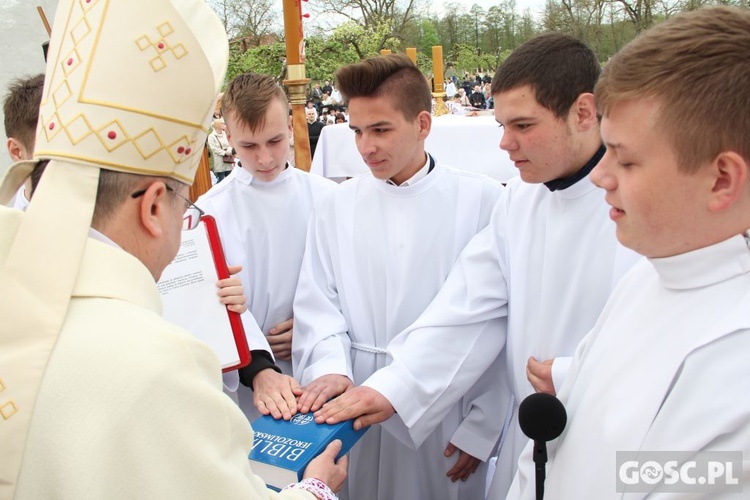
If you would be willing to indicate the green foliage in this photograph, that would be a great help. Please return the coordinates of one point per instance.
(325, 56)
(467, 60)
(365, 41)
(266, 59)
(348, 43)
(235, 64)
(428, 37)
(473, 40)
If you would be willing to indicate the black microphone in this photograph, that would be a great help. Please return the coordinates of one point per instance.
(542, 417)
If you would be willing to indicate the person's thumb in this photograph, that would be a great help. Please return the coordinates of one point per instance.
(333, 449)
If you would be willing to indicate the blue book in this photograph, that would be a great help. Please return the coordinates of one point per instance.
(283, 448)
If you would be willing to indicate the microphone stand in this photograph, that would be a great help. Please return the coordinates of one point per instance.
(542, 418)
(540, 460)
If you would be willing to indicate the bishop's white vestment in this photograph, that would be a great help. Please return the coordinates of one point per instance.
(376, 255)
(263, 227)
(664, 369)
(131, 405)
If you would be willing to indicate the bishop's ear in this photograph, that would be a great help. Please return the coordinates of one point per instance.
(154, 209)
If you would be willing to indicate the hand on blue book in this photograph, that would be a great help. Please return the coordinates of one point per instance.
(364, 404)
(286, 451)
(327, 469)
(322, 389)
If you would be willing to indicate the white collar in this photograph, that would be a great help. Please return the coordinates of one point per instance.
(705, 266)
(245, 177)
(99, 236)
(421, 174)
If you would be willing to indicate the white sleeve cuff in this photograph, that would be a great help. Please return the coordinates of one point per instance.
(560, 367)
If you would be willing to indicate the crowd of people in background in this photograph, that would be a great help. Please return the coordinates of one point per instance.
(475, 92)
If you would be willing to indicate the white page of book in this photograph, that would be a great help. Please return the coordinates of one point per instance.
(188, 293)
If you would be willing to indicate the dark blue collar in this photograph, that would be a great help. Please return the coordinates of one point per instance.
(564, 183)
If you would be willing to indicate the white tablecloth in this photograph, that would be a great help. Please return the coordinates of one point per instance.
(466, 142)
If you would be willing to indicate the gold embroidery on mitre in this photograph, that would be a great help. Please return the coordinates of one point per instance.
(161, 46)
(80, 31)
(86, 5)
(71, 115)
(62, 94)
(9, 408)
(78, 129)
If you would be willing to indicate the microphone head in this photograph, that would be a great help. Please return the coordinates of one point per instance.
(542, 417)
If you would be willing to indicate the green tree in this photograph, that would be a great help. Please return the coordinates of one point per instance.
(325, 54)
(526, 29)
(428, 38)
(477, 20)
(266, 59)
(365, 41)
(466, 60)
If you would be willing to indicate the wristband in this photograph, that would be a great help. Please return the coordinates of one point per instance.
(314, 486)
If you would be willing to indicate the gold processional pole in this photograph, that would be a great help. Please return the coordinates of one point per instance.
(438, 77)
(296, 81)
(202, 182)
(411, 53)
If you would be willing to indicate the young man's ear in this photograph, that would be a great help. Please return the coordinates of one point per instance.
(424, 118)
(584, 111)
(17, 150)
(730, 180)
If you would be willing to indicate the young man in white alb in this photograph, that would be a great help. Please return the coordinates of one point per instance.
(378, 251)
(262, 210)
(665, 368)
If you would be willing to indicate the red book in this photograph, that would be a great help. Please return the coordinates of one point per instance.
(188, 290)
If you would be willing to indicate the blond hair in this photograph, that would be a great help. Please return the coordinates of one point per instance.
(696, 66)
(248, 97)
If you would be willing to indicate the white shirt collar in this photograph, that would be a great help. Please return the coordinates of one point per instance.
(421, 174)
(98, 236)
(705, 266)
(245, 177)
